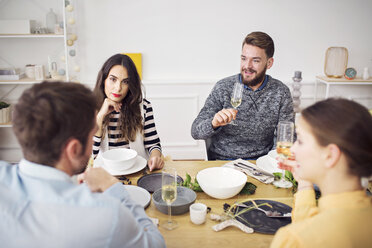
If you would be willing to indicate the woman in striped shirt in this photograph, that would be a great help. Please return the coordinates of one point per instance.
(125, 119)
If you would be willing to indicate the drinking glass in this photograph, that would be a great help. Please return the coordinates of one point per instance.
(284, 141)
(169, 194)
(236, 97)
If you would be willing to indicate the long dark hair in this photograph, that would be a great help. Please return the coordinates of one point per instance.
(346, 124)
(130, 118)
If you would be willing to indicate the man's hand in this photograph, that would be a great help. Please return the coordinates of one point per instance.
(98, 179)
(224, 117)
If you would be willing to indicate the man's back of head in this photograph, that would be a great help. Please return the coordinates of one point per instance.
(49, 114)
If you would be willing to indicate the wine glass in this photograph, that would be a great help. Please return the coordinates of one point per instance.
(236, 97)
(169, 194)
(284, 141)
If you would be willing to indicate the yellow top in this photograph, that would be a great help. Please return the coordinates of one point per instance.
(340, 220)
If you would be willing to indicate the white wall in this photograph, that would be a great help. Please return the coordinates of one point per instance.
(188, 45)
(202, 39)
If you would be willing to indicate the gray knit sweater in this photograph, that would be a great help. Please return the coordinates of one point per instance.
(257, 118)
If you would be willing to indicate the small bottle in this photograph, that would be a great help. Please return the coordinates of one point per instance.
(365, 73)
(51, 20)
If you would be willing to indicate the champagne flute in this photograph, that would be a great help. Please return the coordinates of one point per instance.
(169, 194)
(236, 97)
(284, 141)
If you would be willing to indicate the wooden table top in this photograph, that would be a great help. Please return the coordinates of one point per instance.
(190, 235)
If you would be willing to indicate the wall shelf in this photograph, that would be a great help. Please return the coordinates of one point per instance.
(31, 36)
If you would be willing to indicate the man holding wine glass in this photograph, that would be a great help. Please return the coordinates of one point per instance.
(264, 101)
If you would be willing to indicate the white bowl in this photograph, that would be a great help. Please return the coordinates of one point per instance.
(221, 182)
(119, 159)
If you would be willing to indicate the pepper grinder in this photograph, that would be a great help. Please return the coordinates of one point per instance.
(296, 93)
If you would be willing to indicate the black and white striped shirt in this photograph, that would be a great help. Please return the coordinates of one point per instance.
(151, 138)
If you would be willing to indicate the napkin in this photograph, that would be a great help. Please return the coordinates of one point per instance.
(257, 173)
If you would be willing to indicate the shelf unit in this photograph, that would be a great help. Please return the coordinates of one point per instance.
(328, 82)
(50, 36)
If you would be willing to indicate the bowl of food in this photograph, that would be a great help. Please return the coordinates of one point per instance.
(119, 159)
(221, 182)
(185, 197)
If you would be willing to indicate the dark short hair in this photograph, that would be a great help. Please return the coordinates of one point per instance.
(48, 115)
(346, 124)
(261, 40)
(130, 120)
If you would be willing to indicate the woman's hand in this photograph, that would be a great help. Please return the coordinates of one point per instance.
(292, 166)
(156, 160)
(107, 107)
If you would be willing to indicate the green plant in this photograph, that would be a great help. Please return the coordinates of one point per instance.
(192, 185)
(288, 177)
(248, 189)
(4, 105)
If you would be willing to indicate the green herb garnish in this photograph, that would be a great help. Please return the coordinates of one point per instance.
(248, 189)
(288, 176)
(4, 105)
(192, 185)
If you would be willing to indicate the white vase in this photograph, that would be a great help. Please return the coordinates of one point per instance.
(365, 73)
(51, 21)
(5, 115)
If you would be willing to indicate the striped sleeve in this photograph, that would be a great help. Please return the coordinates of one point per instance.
(151, 137)
(96, 145)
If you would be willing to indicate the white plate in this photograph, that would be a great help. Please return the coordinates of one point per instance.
(139, 164)
(268, 163)
(139, 195)
(273, 154)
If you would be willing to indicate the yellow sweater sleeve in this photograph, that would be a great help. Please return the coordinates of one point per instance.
(284, 238)
(304, 205)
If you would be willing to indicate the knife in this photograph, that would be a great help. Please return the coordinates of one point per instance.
(256, 169)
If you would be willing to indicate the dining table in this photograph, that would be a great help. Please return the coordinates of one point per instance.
(191, 235)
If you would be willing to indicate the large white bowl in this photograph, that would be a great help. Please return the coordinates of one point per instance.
(119, 159)
(221, 182)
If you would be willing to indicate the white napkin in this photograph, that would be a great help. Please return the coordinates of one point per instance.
(249, 172)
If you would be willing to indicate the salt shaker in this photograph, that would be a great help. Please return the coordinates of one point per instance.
(365, 73)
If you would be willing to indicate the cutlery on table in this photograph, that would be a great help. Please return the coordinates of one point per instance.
(269, 213)
(251, 168)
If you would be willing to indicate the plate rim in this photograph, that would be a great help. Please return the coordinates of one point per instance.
(266, 157)
(268, 200)
(135, 187)
(152, 175)
(140, 163)
(175, 205)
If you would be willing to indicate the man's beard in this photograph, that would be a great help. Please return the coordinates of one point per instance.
(84, 164)
(256, 80)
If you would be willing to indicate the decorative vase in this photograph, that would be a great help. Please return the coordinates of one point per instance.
(5, 115)
(296, 92)
(51, 21)
(365, 73)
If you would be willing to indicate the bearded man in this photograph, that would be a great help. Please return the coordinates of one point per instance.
(265, 102)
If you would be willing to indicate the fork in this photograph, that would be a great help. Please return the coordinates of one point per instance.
(269, 213)
(252, 170)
